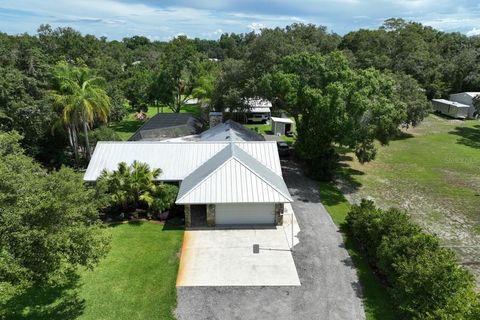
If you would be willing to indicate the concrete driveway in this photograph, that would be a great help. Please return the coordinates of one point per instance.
(225, 257)
(329, 290)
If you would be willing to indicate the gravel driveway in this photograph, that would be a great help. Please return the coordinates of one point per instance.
(329, 290)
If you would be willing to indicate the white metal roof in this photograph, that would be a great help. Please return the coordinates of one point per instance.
(233, 176)
(451, 103)
(283, 120)
(176, 159)
(471, 94)
(230, 131)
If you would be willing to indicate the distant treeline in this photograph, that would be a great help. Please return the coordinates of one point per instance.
(138, 72)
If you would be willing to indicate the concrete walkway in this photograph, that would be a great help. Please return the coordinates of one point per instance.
(329, 290)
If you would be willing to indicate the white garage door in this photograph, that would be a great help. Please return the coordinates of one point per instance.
(261, 213)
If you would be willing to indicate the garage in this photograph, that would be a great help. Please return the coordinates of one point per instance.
(244, 213)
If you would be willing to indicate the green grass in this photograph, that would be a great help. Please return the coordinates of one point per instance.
(135, 281)
(433, 171)
(267, 129)
(377, 304)
(127, 127)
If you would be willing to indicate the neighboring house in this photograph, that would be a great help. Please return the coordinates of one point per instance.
(257, 111)
(466, 98)
(281, 126)
(230, 131)
(165, 126)
(221, 183)
(451, 108)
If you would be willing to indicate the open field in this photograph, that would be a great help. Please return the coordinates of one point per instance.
(135, 281)
(127, 127)
(433, 171)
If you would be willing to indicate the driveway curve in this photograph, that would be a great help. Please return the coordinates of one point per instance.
(330, 289)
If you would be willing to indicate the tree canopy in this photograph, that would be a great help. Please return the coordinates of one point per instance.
(49, 222)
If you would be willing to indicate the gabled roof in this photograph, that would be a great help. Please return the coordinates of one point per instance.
(168, 125)
(233, 176)
(230, 131)
(176, 159)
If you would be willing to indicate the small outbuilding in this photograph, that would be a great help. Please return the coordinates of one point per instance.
(451, 108)
(282, 126)
(466, 98)
(165, 126)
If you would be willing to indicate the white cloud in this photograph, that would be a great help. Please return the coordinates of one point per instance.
(473, 32)
(256, 26)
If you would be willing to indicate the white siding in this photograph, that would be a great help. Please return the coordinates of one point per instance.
(232, 214)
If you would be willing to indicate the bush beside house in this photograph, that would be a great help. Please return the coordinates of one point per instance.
(131, 191)
(424, 278)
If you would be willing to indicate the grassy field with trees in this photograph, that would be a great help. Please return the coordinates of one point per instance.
(432, 171)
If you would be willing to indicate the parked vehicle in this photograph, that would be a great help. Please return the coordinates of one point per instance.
(283, 149)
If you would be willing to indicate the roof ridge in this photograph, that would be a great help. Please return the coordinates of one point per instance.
(207, 176)
(262, 178)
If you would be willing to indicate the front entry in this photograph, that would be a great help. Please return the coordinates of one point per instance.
(245, 213)
(199, 215)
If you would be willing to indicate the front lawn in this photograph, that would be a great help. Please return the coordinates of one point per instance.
(377, 304)
(135, 281)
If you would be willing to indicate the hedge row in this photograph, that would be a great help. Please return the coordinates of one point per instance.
(425, 279)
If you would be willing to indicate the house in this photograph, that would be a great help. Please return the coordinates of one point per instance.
(230, 131)
(466, 98)
(164, 126)
(256, 110)
(221, 183)
(281, 126)
(451, 108)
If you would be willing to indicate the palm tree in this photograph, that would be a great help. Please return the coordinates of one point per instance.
(81, 100)
(132, 185)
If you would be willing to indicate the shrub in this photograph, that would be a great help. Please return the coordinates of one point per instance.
(425, 279)
(133, 187)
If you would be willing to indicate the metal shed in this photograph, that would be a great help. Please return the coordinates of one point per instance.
(466, 98)
(451, 108)
(164, 126)
(281, 126)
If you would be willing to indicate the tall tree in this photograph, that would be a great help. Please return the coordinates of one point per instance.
(177, 74)
(49, 223)
(80, 100)
(334, 105)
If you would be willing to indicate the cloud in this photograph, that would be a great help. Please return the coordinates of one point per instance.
(209, 18)
(256, 27)
(473, 32)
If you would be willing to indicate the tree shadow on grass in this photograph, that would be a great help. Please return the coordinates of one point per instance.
(173, 224)
(402, 135)
(59, 303)
(469, 136)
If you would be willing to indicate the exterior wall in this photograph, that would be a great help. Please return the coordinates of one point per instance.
(188, 216)
(215, 118)
(279, 209)
(278, 127)
(211, 215)
(464, 99)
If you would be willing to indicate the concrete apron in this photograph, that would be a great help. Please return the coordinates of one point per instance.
(225, 257)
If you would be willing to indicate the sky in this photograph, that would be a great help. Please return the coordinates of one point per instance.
(208, 19)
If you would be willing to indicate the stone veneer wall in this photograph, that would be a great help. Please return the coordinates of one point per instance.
(188, 216)
(211, 215)
(279, 208)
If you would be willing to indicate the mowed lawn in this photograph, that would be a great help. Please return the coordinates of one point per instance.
(127, 127)
(434, 173)
(135, 281)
